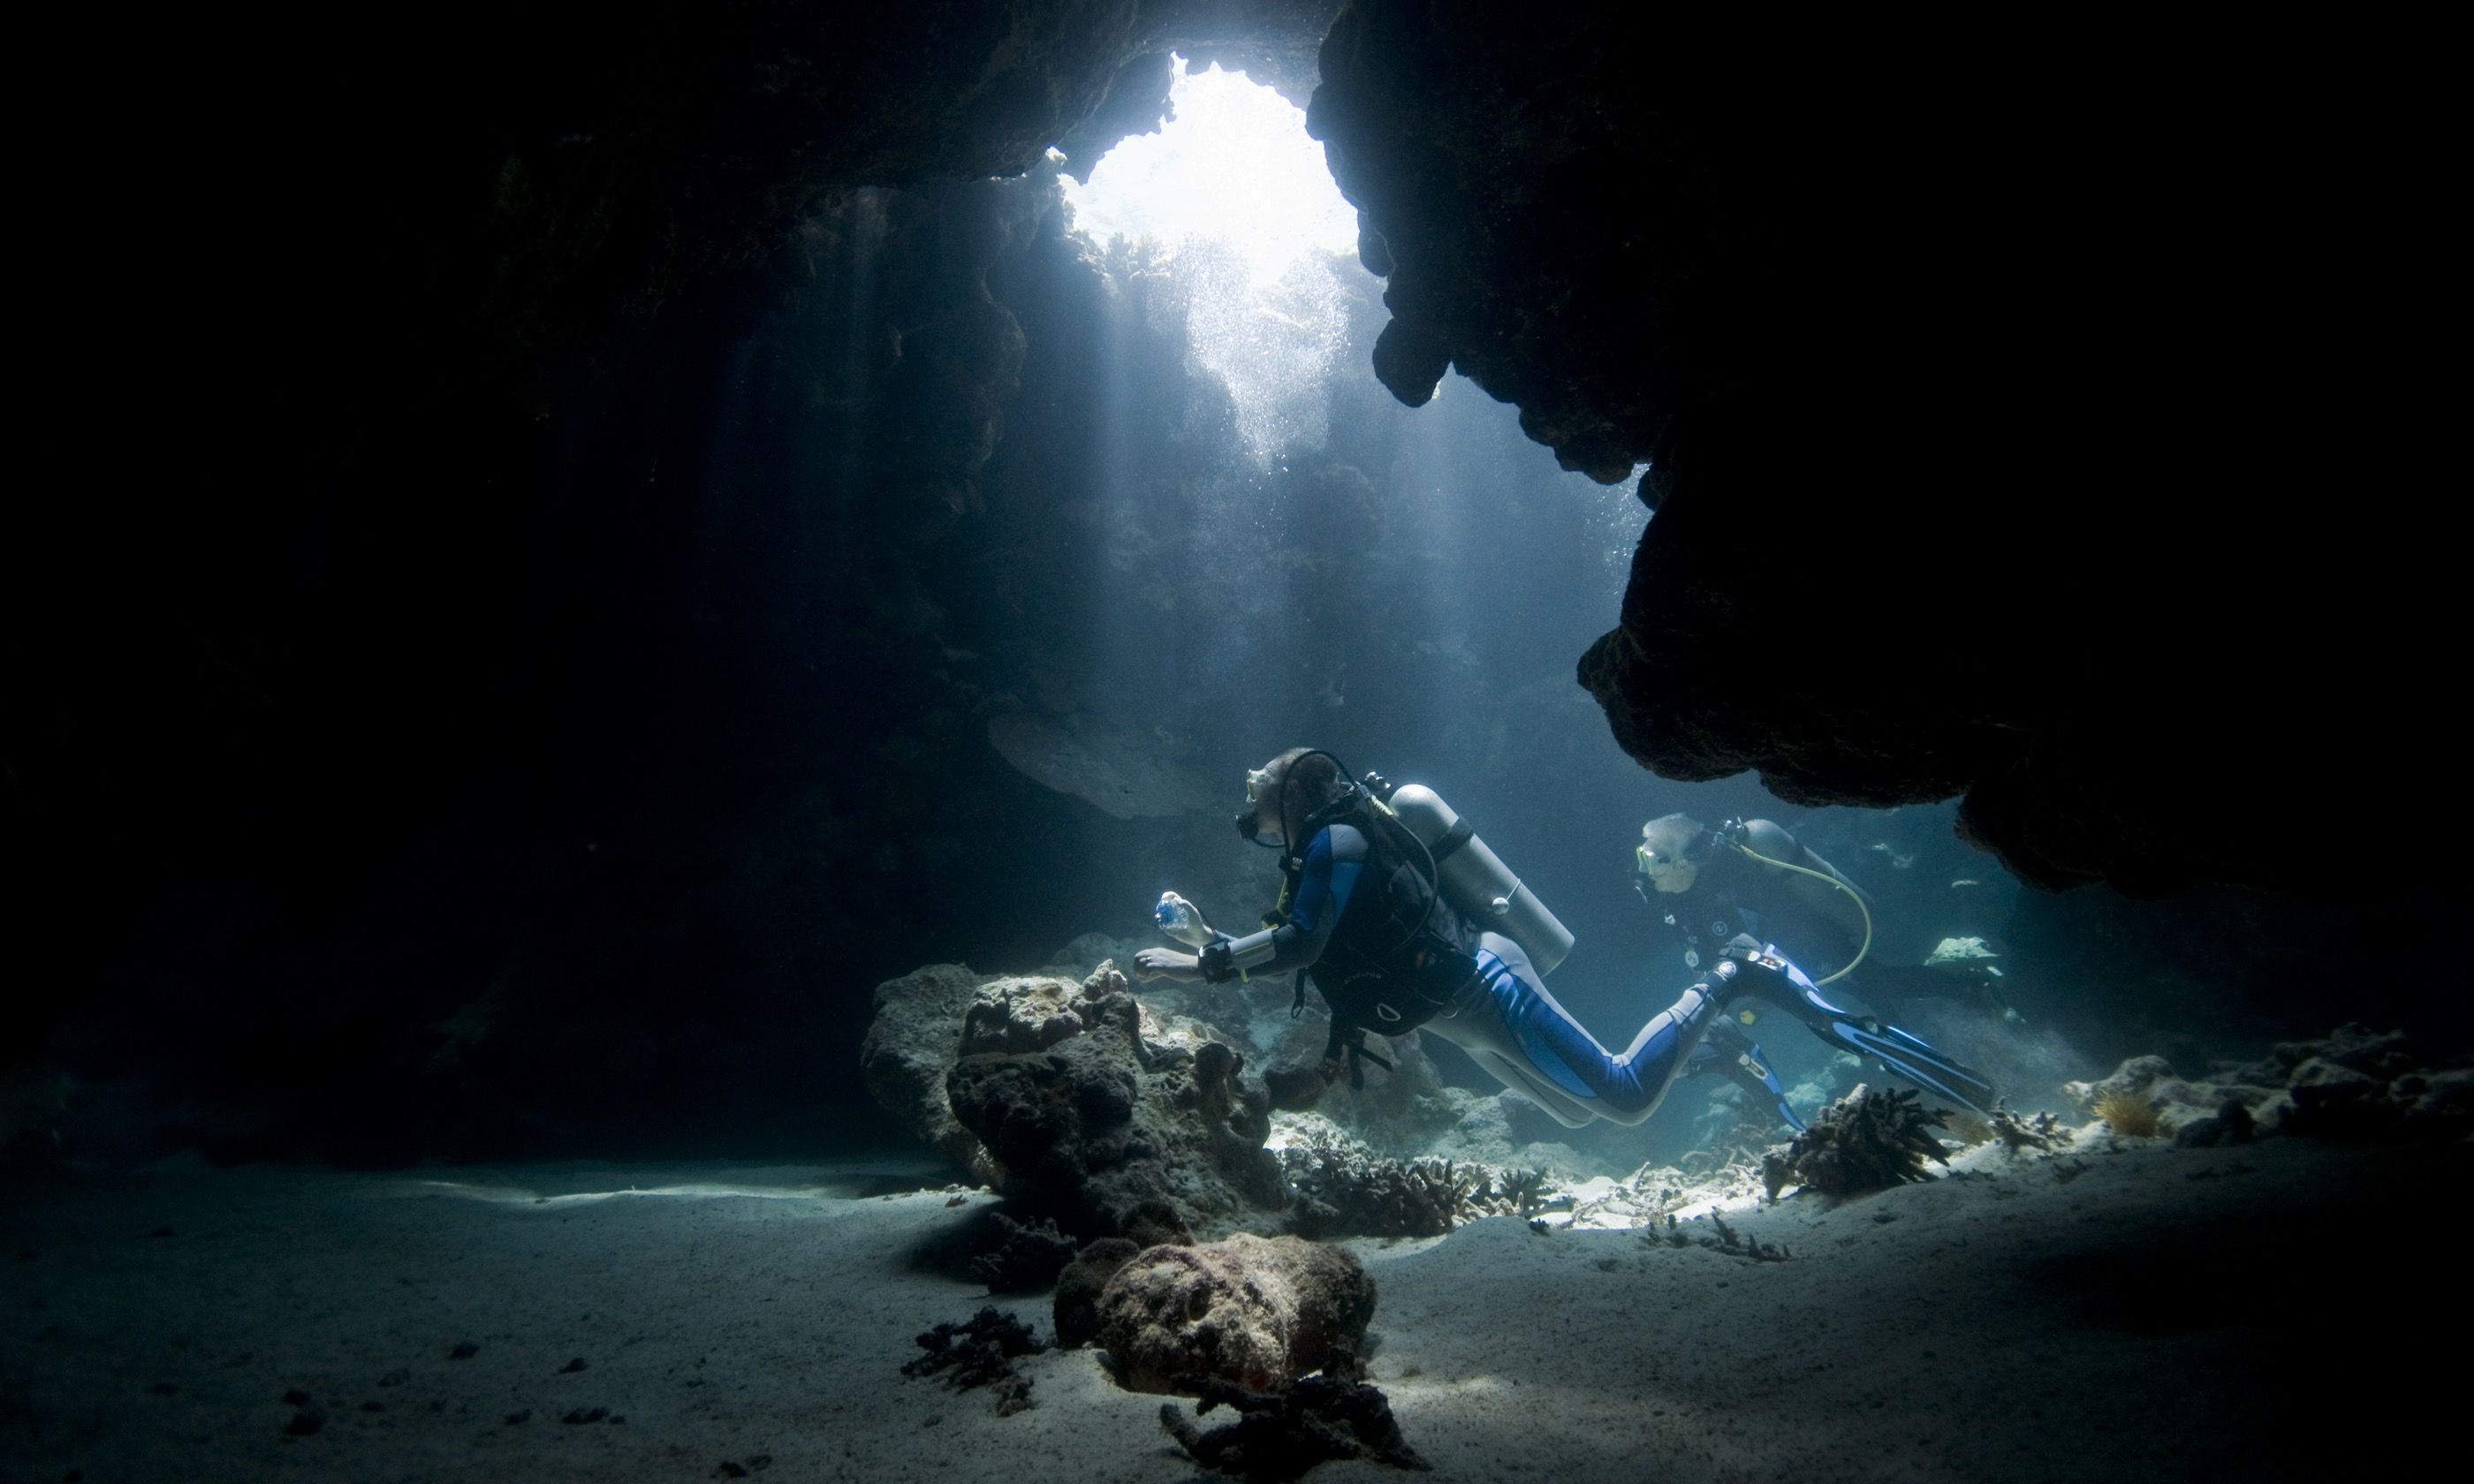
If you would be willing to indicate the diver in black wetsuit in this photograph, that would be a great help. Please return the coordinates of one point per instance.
(1752, 878)
(1362, 916)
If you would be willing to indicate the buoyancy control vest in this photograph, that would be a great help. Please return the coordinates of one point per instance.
(1400, 952)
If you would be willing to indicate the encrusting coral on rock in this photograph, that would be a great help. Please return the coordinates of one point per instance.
(1866, 1140)
(1254, 1312)
(1280, 1434)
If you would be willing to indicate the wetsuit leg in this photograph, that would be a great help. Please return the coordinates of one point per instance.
(1510, 1025)
(1727, 1051)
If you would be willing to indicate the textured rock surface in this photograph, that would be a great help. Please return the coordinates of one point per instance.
(1080, 1285)
(1104, 1130)
(1255, 1313)
(2354, 1083)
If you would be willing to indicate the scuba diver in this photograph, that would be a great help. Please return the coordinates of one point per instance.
(1384, 904)
(1751, 878)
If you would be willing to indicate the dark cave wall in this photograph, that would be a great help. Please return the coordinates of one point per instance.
(452, 710)
(2038, 417)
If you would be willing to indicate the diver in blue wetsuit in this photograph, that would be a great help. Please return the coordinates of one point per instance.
(1361, 915)
(1751, 876)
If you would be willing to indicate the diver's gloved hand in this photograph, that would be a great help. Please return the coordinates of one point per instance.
(1748, 950)
(1166, 964)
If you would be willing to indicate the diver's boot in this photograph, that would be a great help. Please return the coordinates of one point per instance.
(1727, 1051)
(1767, 975)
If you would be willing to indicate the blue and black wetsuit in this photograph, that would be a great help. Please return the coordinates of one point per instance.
(1389, 961)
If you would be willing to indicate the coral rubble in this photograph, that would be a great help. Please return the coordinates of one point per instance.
(1254, 1312)
(1866, 1140)
(1280, 1434)
(981, 1352)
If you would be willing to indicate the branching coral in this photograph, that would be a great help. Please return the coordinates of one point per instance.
(2042, 1133)
(1732, 1244)
(1342, 1188)
(1866, 1140)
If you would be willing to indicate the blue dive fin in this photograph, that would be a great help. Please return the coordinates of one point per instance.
(1911, 1057)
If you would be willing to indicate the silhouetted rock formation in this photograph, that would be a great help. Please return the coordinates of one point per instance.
(1962, 485)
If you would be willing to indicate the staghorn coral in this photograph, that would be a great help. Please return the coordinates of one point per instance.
(1278, 1435)
(1729, 1242)
(1866, 1140)
(1340, 1188)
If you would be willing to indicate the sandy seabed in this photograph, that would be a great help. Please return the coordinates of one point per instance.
(2110, 1313)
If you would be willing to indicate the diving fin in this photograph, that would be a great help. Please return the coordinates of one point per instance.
(1772, 977)
(1912, 1058)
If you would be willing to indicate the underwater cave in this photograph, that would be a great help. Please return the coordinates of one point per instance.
(625, 709)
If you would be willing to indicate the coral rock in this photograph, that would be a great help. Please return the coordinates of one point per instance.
(1079, 1287)
(1252, 1312)
(1105, 1132)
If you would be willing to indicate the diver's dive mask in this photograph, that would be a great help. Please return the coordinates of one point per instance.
(1257, 781)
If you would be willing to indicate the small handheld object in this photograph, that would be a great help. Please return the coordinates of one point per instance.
(1183, 920)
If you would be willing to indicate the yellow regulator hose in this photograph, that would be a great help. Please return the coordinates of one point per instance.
(1858, 896)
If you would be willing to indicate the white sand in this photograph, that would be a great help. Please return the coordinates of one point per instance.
(1979, 1329)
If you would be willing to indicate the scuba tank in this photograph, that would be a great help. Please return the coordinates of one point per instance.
(1476, 879)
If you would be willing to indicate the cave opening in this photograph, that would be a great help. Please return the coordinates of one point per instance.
(1233, 200)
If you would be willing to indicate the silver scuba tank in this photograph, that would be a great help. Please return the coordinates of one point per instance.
(1476, 881)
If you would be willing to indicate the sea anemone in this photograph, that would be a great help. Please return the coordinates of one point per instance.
(2132, 1118)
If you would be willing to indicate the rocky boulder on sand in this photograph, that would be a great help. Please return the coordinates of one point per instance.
(1082, 1109)
(1254, 1312)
